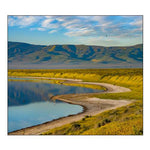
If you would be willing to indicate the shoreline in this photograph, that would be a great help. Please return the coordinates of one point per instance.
(91, 105)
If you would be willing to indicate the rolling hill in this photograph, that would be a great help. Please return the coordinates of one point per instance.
(23, 55)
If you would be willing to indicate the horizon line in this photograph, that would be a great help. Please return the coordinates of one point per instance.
(76, 44)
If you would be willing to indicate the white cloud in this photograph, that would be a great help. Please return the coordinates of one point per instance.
(80, 32)
(137, 23)
(94, 25)
(41, 29)
(70, 22)
(11, 21)
(52, 31)
(22, 21)
(46, 22)
(26, 21)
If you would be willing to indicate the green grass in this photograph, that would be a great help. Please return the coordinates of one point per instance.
(127, 120)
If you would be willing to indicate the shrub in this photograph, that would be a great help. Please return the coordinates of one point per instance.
(76, 125)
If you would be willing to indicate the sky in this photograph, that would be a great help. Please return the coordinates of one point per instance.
(87, 30)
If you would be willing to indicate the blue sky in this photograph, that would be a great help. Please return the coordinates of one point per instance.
(88, 30)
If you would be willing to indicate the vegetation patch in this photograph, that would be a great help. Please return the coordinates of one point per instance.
(127, 120)
(112, 122)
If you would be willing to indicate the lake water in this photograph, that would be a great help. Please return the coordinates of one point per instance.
(29, 103)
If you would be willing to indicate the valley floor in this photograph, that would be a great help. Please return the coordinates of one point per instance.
(105, 120)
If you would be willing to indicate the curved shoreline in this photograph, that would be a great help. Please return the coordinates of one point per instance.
(91, 106)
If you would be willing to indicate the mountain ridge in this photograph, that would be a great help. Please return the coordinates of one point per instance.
(74, 54)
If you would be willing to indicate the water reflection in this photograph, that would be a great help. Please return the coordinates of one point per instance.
(29, 103)
(21, 93)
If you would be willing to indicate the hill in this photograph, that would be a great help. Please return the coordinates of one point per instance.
(83, 56)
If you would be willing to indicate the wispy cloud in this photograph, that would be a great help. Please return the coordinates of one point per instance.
(52, 31)
(22, 21)
(41, 29)
(98, 28)
(80, 32)
(136, 23)
(46, 23)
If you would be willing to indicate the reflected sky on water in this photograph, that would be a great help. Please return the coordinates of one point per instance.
(29, 103)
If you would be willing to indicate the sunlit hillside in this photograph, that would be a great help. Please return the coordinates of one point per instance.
(98, 56)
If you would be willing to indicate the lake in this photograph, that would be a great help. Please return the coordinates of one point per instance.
(29, 102)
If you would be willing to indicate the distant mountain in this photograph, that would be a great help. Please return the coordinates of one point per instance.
(23, 54)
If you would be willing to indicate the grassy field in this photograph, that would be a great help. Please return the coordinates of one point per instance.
(127, 120)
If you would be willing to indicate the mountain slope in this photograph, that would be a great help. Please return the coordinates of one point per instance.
(74, 54)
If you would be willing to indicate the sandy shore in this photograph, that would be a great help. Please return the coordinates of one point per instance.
(92, 106)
